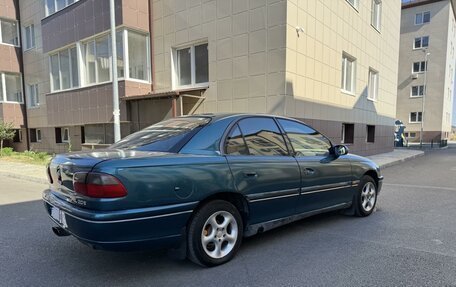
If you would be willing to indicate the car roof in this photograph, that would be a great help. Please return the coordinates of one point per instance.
(220, 116)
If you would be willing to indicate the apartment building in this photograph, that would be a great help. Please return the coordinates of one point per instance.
(12, 108)
(427, 69)
(332, 64)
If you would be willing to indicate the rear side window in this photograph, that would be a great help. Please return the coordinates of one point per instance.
(262, 137)
(305, 140)
(235, 144)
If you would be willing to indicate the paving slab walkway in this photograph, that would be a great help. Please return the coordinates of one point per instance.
(37, 173)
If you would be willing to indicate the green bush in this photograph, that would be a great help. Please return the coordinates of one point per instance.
(7, 151)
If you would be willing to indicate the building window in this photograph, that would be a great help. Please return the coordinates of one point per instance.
(410, 135)
(38, 135)
(29, 37)
(64, 70)
(416, 117)
(419, 67)
(33, 96)
(376, 20)
(370, 134)
(417, 91)
(192, 65)
(348, 73)
(62, 135)
(95, 58)
(53, 6)
(421, 42)
(373, 85)
(11, 88)
(137, 52)
(17, 136)
(348, 133)
(354, 3)
(66, 135)
(9, 32)
(35, 135)
(421, 18)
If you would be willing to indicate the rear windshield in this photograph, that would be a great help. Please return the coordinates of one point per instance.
(166, 136)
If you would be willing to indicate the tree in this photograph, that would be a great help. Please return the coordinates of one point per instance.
(7, 132)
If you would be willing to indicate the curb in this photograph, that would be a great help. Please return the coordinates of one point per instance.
(399, 161)
(24, 177)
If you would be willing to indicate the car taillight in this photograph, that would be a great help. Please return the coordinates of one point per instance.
(98, 185)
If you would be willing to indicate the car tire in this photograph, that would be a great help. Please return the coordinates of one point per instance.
(214, 233)
(366, 197)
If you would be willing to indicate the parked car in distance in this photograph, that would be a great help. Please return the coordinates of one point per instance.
(203, 183)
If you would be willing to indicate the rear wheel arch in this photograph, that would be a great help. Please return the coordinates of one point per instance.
(236, 199)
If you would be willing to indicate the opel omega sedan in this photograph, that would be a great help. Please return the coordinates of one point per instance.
(203, 183)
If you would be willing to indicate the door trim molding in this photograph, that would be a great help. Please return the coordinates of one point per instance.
(273, 195)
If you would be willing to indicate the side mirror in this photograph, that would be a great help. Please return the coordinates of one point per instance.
(340, 150)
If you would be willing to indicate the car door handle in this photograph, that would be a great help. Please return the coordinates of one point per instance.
(309, 171)
(250, 174)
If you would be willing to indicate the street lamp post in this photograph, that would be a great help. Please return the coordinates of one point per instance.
(426, 59)
(115, 88)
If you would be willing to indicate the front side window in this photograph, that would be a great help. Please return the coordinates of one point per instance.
(263, 137)
(417, 91)
(416, 117)
(9, 32)
(376, 14)
(164, 136)
(305, 140)
(421, 42)
(423, 17)
(373, 85)
(29, 37)
(192, 65)
(348, 73)
(419, 67)
(33, 98)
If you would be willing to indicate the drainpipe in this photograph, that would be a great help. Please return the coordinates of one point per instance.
(151, 43)
(21, 64)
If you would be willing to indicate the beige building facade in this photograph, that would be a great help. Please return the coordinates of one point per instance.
(333, 64)
(428, 32)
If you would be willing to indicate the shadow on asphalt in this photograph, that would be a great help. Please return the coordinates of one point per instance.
(36, 237)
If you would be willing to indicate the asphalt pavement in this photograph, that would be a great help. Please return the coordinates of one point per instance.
(409, 241)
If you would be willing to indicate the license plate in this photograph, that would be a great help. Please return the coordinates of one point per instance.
(59, 216)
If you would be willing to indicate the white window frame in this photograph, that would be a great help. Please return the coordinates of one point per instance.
(31, 94)
(419, 88)
(18, 34)
(376, 17)
(346, 57)
(68, 49)
(3, 97)
(353, 3)
(421, 66)
(63, 133)
(55, 5)
(422, 18)
(175, 68)
(417, 118)
(81, 65)
(372, 92)
(38, 135)
(32, 44)
(421, 41)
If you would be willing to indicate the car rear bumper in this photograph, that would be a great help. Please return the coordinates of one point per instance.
(157, 227)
